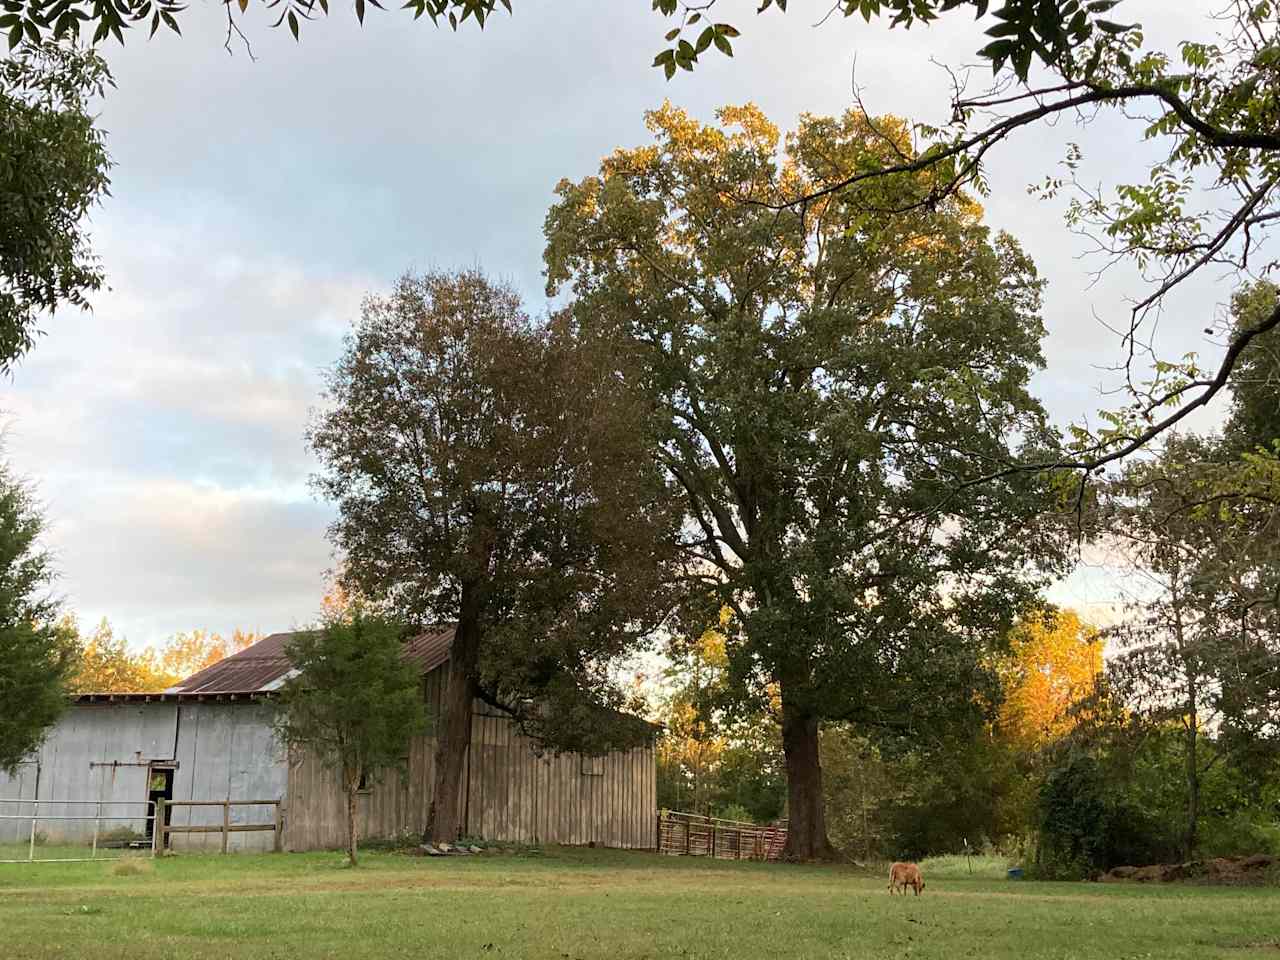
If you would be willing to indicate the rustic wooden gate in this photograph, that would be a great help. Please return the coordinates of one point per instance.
(689, 835)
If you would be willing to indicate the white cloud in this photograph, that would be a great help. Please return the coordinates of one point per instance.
(256, 201)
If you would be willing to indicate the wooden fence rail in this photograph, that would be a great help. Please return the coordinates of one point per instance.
(689, 835)
(226, 828)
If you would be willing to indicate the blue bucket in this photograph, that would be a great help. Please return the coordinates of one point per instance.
(1015, 873)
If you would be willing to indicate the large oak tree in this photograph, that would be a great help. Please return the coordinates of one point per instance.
(828, 379)
(492, 472)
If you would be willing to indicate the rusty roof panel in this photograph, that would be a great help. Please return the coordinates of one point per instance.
(263, 667)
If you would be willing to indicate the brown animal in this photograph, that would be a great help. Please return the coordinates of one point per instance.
(903, 875)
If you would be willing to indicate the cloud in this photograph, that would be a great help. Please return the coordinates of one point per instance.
(256, 200)
(158, 557)
(165, 434)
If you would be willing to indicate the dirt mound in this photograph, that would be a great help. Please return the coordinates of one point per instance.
(1254, 869)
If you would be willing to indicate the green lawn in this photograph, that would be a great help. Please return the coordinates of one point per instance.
(599, 904)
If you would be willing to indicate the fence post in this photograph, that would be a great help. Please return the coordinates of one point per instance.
(159, 839)
(713, 841)
(97, 819)
(279, 829)
(226, 823)
(35, 815)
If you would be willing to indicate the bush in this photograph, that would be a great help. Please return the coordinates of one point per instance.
(1090, 821)
(1240, 834)
(733, 811)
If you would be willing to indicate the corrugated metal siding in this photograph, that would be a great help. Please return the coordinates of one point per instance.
(513, 794)
(101, 751)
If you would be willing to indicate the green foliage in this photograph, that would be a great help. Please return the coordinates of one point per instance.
(1254, 421)
(1025, 31)
(494, 472)
(752, 775)
(1088, 823)
(1120, 799)
(33, 22)
(354, 701)
(826, 380)
(37, 652)
(53, 170)
(911, 800)
(1048, 31)
(715, 757)
(1202, 651)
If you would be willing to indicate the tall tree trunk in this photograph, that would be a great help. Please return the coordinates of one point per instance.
(806, 809)
(444, 817)
(351, 823)
(1193, 794)
(1191, 734)
(1191, 836)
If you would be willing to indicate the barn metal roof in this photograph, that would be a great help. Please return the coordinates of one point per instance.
(262, 669)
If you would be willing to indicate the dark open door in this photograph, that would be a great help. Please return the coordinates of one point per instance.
(160, 787)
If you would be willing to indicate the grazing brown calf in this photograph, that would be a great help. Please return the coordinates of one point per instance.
(903, 875)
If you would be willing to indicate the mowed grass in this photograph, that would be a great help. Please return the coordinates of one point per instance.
(600, 904)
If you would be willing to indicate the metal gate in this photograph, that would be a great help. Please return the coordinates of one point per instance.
(69, 831)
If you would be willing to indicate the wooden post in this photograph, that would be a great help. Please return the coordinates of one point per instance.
(35, 815)
(279, 828)
(97, 819)
(713, 841)
(226, 823)
(159, 839)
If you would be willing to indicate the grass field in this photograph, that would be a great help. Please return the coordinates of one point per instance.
(568, 904)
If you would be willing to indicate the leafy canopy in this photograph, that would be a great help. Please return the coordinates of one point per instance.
(492, 470)
(36, 651)
(53, 170)
(1053, 664)
(1025, 30)
(354, 701)
(826, 379)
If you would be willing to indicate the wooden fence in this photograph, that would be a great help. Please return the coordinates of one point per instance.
(226, 828)
(689, 835)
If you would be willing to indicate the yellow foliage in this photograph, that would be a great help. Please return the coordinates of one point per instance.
(1053, 664)
(188, 653)
(692, 741)
(106, 665)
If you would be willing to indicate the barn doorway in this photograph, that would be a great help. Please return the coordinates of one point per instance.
(159, 787)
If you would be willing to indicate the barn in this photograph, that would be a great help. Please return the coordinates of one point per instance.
(211, 739)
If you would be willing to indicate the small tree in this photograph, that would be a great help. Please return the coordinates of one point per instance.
(36, 652)
(353, 701)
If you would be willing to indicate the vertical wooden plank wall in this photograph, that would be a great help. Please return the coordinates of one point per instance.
(511, 793)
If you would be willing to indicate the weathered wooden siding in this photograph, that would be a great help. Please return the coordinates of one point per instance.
(511, 793)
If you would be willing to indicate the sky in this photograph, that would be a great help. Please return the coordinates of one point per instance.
(256, 201)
